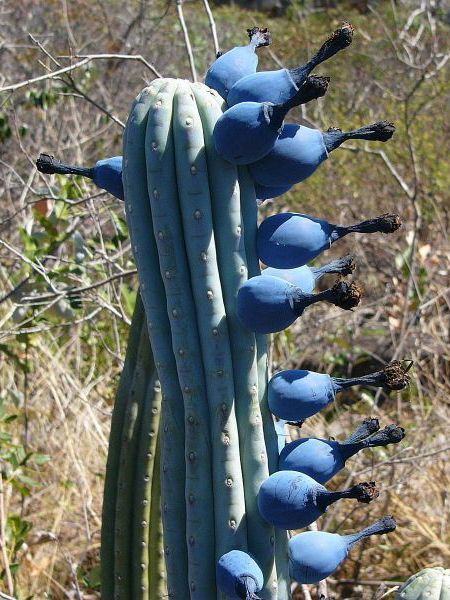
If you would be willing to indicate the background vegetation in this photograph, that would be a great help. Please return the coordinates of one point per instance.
(68, 283)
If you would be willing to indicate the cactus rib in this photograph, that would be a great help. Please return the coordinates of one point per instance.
(153, 295)
(142, 554)
(193, 189)
(168, 231)
(226, 199)
(157, 571)
(249, 218)
(112, 465)
(128, 452)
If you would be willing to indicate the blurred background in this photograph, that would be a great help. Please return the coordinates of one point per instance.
(68, 282)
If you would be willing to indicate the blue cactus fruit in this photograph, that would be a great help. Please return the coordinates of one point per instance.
(106, 174)
(238, 62)
(288, 240)
(238, 576)
(295, 395)
(247, 131)
(292, 500)
(306, 277)
(315, 555)
(298, 151)
(322, 459)
(265, 193)
(267, 304)
(282, 85)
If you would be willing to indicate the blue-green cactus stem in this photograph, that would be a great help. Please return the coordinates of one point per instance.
(249, 212)
(195, 202)
(142, 556)
(157, 580)
(112, 465)
(168, 231)
(123, 566)
(226, 201)
(172, 418)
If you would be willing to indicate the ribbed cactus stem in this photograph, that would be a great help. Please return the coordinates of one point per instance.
(394, 376)
(249, 213)
(157, 580)
(384, 525)
(382, 131)
(391, 434)
(143, 555)
(174, 268)
(123, 398)
(123, 541)
(46, 163)
(198, 228)
(367, 427)
(153, 294)
(362, 492)
(341, 266)
(226, 200)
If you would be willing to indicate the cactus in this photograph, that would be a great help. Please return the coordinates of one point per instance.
(189, 213)
(191, 456)
(132, 528)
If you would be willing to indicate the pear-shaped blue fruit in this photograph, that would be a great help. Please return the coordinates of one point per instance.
(296, 394)
(106, 174)
(298, 151)
(292, 500)
(322, 459)
(265, 193)
(288, 240)
(306, 277)
(267, 304)
(281, 85)
(315, 555)
(238, 576)
(229, 67)
(247, 131)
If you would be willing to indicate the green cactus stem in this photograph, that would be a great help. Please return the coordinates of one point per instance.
(137, 206)
(112, 465)
(157, 570)
(168, 232)
(144, 519)
(226, 200)
(195, 204)
(249, 213)
(123, 542)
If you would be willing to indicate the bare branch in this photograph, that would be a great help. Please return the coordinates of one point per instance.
(212, 25)
(187, 41)
(81, 63)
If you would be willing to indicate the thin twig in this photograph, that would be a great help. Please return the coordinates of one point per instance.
(212, 25)
(186, 39)
(77, 290)
(81, 63)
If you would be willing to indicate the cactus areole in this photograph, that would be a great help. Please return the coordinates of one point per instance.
(429, 584)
